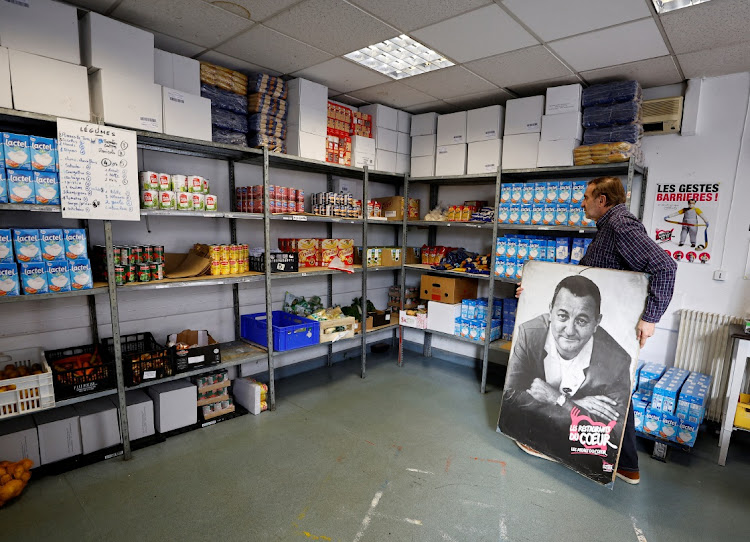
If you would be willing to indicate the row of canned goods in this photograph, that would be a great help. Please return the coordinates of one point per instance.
(142, 272)
(134, 255)
(163, 182)
(229, 259)
(182, 201)
(342, 211)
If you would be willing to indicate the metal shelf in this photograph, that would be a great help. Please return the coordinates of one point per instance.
(596, 170)
(424, 268)
(446, 224)
(482, 178)
(207, 280)
(194, 147)
(316, 218)
(383, 268)
(75, 293)
(494, 345)
(175, 212)
(542, 227)
(28, 207)
(87, 397)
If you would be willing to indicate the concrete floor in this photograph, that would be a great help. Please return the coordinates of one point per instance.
(407, 454)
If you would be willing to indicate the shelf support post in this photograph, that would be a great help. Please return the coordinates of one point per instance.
(363, 323)
(267, 271)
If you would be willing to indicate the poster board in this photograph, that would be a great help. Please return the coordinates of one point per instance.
(98, 171)
(578, 343)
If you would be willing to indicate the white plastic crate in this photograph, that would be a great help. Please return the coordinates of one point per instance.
(33, 392)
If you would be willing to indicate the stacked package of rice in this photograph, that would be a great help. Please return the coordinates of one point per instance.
(267, 110)
(613, 124)
(227, 90)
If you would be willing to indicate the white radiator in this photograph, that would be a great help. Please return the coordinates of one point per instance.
(703, 346)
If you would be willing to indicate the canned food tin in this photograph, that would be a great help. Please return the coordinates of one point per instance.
(195, 184)
(215, 252)
(144, 272)
(292, 195)
(211, 202)
(184, 201)
(119, 275)
(224, 253)
(165, 182)
(124, 256)
(292, 206)
(157, 271)
(179, 183)
(136, 253)
(149, 199)
(166, 199)
(117, 253)
(282, 192)
(284, 206)
(233, 267)
(149, 180)
(215, 268)
(205, 185)
(199, 202)
(147, 253)
(130, 273)
(158, 253)
(224, 266)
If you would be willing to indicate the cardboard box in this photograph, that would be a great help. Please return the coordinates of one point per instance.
(403, 162)
(385, 160)
(308, 108)
(485, 123)
(363, 145)
(564, 99)
(425, 145)
(403, 144)
(163, 70)
(385, 139)
(390, 256)
(19, 440)
(107, 44)
(484, 156)
(99, 424)
(442, 316)
(382, 116)
(451, 160)
(393, 207)
(447, 289)
(59, 434)
(140, 414)
(556, 153)
(186, 115)
(48, 86)
(207, 352)
(174, 405)
(404, 122)
(423, 166)
(177, 72)
(307, 145)
(119, 100)
(41, 27)
(451, 129)
(6, 96)
(247, 392)
(377, 319)
(562, 126)
(520, 151)
(418, 321)
(424, 124)
(524, 116)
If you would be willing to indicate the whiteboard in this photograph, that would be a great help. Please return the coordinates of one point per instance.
(98, 171)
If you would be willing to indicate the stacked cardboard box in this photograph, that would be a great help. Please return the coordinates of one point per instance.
(214, 398)
(185, 112)
(385, 132)
(339, 139)
(523, 127)
(423, 144)
(450, 156)
(484, 128)
(308, 119)
(562, 128)
(313, 252)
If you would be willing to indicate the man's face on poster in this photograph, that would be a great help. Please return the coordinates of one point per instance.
(573, 321)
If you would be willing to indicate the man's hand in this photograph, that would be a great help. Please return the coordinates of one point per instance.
(518, 290)
(643, 331)
(599, 405)
(543, 392)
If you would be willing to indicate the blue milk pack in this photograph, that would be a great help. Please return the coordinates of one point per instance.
(20, 186)
(687, 432)
(525, 215)
(500, 247)
(465, 327)
(75, 244)
(3, 186)
(6, 247)
(540, 192)
(9, 279)
(649, 376)
(527, 192)
(46, 188)
(575, 216)
(579, 189)
(652, 421)
(576, 251)
(457, 326)
(553, 188)
(43, 152)
(669, 426)
(500, 266)
(562, 250)
(33, 278)
(497, 309)
(482, 306)
(80, 274)
(511, 246)
(537, 214)
(586, 244)
(26, 245)
(637, 373)
(550, 210)
(535, 249)
(505, 190)
(52, 244)
(16, 151)
(522, 250)
(58, 276)
(564, 192)
(667, 390)
(551, 250)
(692, 403)
(562, 214)
(515, 192)
(639, 413)
(503, 213)
(514, 216)
(519, 269)
(510, 268)
(468, 309)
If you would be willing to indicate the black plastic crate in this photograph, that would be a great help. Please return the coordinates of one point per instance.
(284, 262)
(81, 380)
(143, 359)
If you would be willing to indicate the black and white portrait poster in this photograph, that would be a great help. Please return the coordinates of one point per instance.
(574, 352)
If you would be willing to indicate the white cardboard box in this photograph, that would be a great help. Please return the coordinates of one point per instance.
(442, 316)
(385, 160)
(403, 145)
(6, 96)
(423, 145)
(403, 163)
(484, 156)
(19, 440)
(424, 124)
(564, 99)
(423, 166)
(520, 151)
(382, 116)
(52, 87)
(59, 434)
(41, 27)
(163, 68)
(187, 74)
(140, 414)
(247, 394)
(451, 129)
(556, 153)
(304, 144)
(524, 115)
(404, 122)
(485, 123)
(451, 160)
(308, 107)
(175, 404)
(385, 139)
(99, 424)
(362, 159)
(186, 115)
(363, 145)
(562, 126)
(108, 44)
(119, 100)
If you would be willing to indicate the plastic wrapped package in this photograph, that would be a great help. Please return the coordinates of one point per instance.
(256, 140)
(606, 153)
(224, 78)
(602, 116)
(263, 83)
(228, 137)
(223, 99)
(263, 103)
(221, 118)
(611, 93)
(266, 124)
(629, 133)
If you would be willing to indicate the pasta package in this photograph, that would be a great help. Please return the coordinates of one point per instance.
(268, 125)
(228, 137)
(274, 144)
(221, 118)
(630, 133)
(603, 116)
(223, 78)
(606, 153)
(263, 103)
(269, 85)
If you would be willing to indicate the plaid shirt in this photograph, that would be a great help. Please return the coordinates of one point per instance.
(621, 242)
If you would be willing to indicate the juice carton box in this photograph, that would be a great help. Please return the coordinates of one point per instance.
(33, 278)
(474, 329)
(16, 151)
(6, 247)
(575, 216)
(564, 192)
(9, 280)
(576, 251)
(686, 433)
(346, 250)
(551, 250)
(80, 274)
(3, 186)
(535, 249)
(27, 246)
(562, 250)
(20, 186)
(553, 188)
(550, 210)
(670, 425)
(579, 189)
(43, 152)
(511, 247)
(537, 214)
(505, 190)
(522, 250)
(652, 421)
(46, 188)
(540, 192)
(635, 377)
(500, 247)
(527, 192)
(519, 269)
(465, 327)
(562, 214)
(515, 192)
(52, 244)
(503, 213)
(525, 216)
(58, 276)
(75, 244)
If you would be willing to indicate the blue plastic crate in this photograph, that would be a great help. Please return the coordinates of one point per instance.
(289, 331)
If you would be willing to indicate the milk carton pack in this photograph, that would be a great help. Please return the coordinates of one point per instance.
(52, 244)
(649, 376)
(535, 249)
(80, 274)
(503, 213)
(527, 193)
(510, 268)
(500, 266)
(16, 151)
(9, 279)
(576, 251)
(519, 269)
(33, 278)
(514, 217)
(652, 421)
(686, 433)
(635, 377)
(553, 187)
(515, 192)
(46, 188)
(522, 250)
(20, 186)
(575, 216)
(693, 400)
(667, 389)
(562, 214)
(525, 216)
(562, 250)
(6, 247)
(505, 190)
(550, 210)
(551, 250)
(540, 192)
(670, 425)
(511, 247)
(537, 214)
(27, 246)
(564, 192)
(43, 152)
(75, 244)
(3, 186)
(500, 247)
(579, 189)
(58, 276)
(639, 413)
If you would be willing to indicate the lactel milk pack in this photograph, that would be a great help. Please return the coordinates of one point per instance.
(6, 247)
(652, 421)
(80, 274)
(20, 186)
(46, 188)
(43, 153)
(3, 186)
(578, 190)
(33, 278)
(75, 244)
(16, 151)
(686, 433)
(52, 244)
(27, 246)
(649, 376)
(670, 425)
(639, 413)
(564, 192)
(8, 279)
(58, 276)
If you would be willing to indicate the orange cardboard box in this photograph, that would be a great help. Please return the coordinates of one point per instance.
(393, 207)
(447, 289)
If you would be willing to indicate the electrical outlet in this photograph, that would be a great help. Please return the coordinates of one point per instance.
(720, 275)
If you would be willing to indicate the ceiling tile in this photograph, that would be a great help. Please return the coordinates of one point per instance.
(175, 45)
(715, 62)
(257, 10)
(395, 94)
(484, 32)
(191, 20)
(349, 100)
(540, 87)
(449, 83)
(552, 19)
(232, 63)
(653, 72)
(408, 16)
(261, 45)
(332, 25)
(707, 26)
(100, 6)
(481, 99)
(518, 67)
(343, 75)
(437, 106)
(619, 45)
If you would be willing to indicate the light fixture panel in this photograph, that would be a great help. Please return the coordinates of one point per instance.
(400, 57)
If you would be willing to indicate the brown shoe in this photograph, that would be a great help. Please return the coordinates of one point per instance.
(632, 477)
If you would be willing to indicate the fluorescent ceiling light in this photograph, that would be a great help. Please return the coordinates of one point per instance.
(663, 6)
(399, 58)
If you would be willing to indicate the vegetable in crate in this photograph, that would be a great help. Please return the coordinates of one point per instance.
(355, 309)
(13, 479)
(300, 306)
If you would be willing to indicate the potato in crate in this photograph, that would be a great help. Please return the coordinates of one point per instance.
(25, 382)
(80, 370)
(143, 359)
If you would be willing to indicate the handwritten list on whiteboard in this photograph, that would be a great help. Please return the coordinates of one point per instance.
(98, 171)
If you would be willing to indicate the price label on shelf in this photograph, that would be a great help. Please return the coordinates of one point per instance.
(299, 218)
